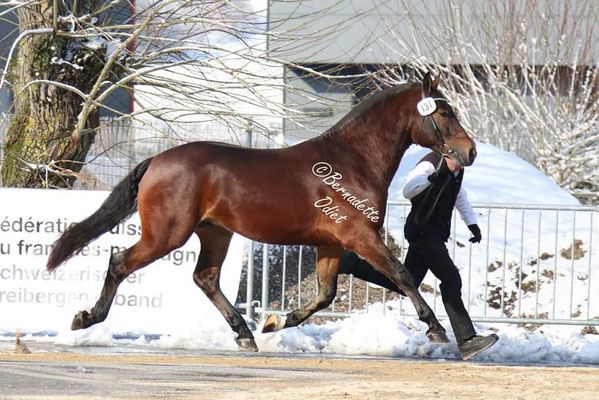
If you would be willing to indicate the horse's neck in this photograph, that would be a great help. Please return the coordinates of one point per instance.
(375, 151)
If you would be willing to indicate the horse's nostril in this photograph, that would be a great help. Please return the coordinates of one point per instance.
(472, 155)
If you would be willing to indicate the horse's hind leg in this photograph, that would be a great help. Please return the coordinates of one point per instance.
(124, 263)
(327, 270)
(119, 267)
(215, 242)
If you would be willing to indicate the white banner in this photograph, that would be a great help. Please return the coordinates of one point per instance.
(159, 298)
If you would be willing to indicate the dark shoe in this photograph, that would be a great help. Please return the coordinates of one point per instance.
(476, 345)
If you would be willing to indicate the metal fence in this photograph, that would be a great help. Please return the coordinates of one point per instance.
(120, 146)
(535, 265)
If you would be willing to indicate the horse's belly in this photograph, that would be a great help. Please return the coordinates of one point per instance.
(275, 221)
(271, 226)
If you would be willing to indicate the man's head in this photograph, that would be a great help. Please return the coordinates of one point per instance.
(452, 165)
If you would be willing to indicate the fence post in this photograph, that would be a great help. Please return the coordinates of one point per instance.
(265, 280)
(249, 288)
(248, 135)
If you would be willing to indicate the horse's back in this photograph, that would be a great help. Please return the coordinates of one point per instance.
(259, 193)
(190, 154)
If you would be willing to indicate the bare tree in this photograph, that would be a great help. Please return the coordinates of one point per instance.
(70, 56)
(48, 94)
(524, 76)
(186, 62)
(528, 85)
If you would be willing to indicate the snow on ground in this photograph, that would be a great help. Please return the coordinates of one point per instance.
(496, 176)
(375, 333)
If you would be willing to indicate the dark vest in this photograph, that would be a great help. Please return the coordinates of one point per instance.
(432, 209)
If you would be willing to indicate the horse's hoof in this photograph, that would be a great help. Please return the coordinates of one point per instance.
(437, 337)
(274, 323)
(246, 344)
(81, 321)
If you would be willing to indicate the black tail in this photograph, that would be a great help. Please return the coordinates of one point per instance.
(120, 204)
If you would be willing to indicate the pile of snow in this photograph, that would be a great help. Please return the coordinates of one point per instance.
(376, 333)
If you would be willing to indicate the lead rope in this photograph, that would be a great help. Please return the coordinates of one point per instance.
(444, 151)
(418, 220)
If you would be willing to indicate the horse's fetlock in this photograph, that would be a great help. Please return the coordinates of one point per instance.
(244, 332)
(235, 319)
(292, 319)
(324, 301)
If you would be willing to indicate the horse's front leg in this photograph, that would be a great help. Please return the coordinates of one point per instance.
(380, 257)
(327, 269)
(215, 242)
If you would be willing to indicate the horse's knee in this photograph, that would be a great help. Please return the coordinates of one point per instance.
(327, 285)
(326, 294)
(404, 276)
(206, 279)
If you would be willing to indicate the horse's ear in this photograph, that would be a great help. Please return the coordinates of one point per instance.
(436, 83)
(428, 84)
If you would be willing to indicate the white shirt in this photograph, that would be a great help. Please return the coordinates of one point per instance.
(417, 181)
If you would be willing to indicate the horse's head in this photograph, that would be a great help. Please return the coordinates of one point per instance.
(438, 127)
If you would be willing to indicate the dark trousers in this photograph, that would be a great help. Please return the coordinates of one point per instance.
(425, 255)
(432, 254)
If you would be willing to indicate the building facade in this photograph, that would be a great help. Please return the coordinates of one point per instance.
(331, 46)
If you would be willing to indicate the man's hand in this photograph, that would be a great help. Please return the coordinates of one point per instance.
(434, 177)
(476, 232)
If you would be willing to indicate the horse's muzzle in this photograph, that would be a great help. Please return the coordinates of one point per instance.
(464, 157)
(472, 156)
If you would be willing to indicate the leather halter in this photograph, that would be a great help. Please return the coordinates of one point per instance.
(444, 148)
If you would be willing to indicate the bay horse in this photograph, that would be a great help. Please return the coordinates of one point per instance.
(329, 192)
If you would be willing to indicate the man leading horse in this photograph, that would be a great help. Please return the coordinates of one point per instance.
(274, 195)
(434, 187)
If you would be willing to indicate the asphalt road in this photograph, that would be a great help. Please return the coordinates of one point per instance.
(89, 380)
(88, 373)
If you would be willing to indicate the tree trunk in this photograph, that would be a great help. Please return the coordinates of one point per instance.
(38, 142)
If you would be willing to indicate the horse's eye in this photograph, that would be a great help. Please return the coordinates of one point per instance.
(445, 114)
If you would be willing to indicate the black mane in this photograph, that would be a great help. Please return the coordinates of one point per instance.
(365, 105)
